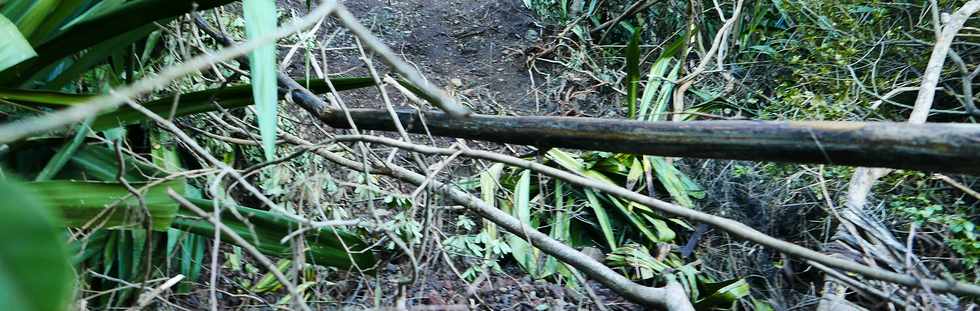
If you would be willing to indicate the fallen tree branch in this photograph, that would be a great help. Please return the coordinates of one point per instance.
(929, 147)
(733, 227)
(921, 147)
(864, 178)
(671, 297)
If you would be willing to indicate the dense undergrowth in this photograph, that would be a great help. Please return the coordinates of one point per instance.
(786, 60)
(107, 188)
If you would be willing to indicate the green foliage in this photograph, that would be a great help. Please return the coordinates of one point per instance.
(260, 20)
(64, 153)
(705, 293)
(265, 230)
(963, 236)
(109, 205)
(633, 71)
(191, 103)
(35, 274)
(71, 27)
(94, 45)
(557, 10)
(476, 246)
(608, 220)
(830, 60)
(14, 49)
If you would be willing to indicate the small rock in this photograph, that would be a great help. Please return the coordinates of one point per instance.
(531, 35)
(456, 82)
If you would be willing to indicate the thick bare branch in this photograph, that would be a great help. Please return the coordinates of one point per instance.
(671, 297)
(929, 147)
(733, 227)
(864, 178)
(930, 78)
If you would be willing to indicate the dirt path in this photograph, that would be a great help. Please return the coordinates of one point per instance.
(475, 49)
(472, 48)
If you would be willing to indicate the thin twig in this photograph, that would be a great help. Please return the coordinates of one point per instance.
(435, 95)
(148, 297)
(671, 297)
(23, 128)
(930, 77)
(637, 7)
(958, 185)
(244, 244)
(734, 227)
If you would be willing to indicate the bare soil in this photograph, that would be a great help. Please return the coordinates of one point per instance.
(472, 48)
(476, 50)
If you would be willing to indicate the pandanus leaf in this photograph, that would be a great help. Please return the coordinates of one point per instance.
(35, 271)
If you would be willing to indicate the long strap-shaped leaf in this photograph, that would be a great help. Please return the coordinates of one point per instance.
(326, 247)
(190, 103)
(14, 47)
(95, 29)
(99, 204)
(35, 273)
(260, 19)
(82, 203)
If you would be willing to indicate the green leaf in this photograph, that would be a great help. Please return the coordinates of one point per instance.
(655, 78)
(87, 203)
(97, 28)
(669, 178)
(760, 305)
(163, 150)
(99, 162)
(56, 18)
(35, 272)
(722, 294)
(34, 15)
(566, 160)
(265, 229)
(560, 224)
(204, 101)
(659, 111)
(664, 233)
(633, 70)
(192, 249)
(65, 153)
(37, 99)
(81, 201)
(269, 282)
(190, 103)
(488, 191)
(260, 20)
(635, 220)
(523, 251)
(605, 224)
(14, 48)
(92, 57)
(638, 259)
(635, 174)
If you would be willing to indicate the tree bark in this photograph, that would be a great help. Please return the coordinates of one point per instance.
(948, 148)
